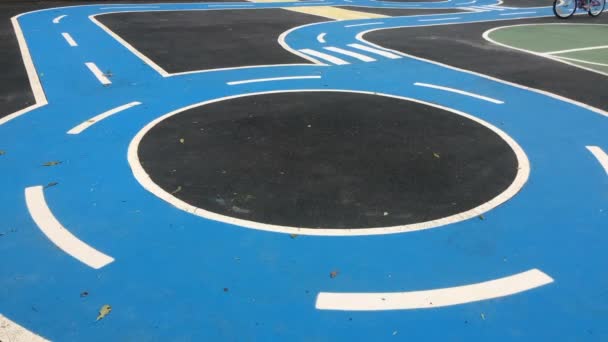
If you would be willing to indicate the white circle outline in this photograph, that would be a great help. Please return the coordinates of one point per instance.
(523, 172)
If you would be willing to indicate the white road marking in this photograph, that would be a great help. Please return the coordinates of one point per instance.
(350, 53)
(58, 234)
(436, 298)
(69, 39)
(321, 37)
(521, 177)
(78, 129)
(365, 24)
(13, 332)
(516, 13)
(324, 56)
(600, 155)
(244, 5)
(497, 8)
(582, 61)
(128, 7)
(272, 79)
(577, 50)
(466, 3)
(458, 91)
(440, 19)
(374, 50)
(100, 76)
(58, 19)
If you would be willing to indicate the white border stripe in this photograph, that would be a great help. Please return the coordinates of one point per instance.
(29, 65)
(128, 7)
(321, 37)
(440, 19)
(324, 56)
(350, 53)
(69, 39)
(100, 76)
(582, 61)
(58, 19)
(365, 24)
(577, 50)
(272, 79)
(433, 298)
(58, 234)
(78, 129)
(600, 155)
(376, 51)
(458, 91)
(13, 332)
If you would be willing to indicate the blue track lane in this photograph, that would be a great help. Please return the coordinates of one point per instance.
(171, 267)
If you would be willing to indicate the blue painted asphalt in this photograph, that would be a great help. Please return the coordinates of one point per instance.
(171, 267)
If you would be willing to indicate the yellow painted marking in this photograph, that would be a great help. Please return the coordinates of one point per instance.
(335, 13)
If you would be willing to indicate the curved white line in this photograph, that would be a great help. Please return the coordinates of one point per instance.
(600, 155)
(257, 80)
(13, 332)
(458, 91)
(596, 110)
(436, 298)
(365, 24)
(486, 36)
(58, 234)
(86, 124)
(142, 177)
(58, 19)
(321, 37)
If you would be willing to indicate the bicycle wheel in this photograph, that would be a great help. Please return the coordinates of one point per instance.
(564, 9)
(596, 7)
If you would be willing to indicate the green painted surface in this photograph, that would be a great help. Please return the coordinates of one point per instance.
(599, 68)
(597, 56)
(548, 37)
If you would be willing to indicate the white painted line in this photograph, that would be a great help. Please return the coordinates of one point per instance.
(582, 61)
(365, 24)
(374, 50)
(244, 5)
(29, 64)
(324, 56)
(58, 234)
(356, 55)
(100, 76)
(440, 19)
(78, 129)
(13, 332)
(321, 37)
(497, 8)
(458, 91)
(600, 155)
(272, 79)
(466, 3)
(436, 298)
(577, 50)
(69, 39)
(58, 19)
(129, 7)
(517, 13)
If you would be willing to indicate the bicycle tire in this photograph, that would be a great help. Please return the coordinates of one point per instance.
(597, 12)
(564, 14)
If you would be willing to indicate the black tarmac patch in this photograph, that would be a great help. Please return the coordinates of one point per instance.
(181, 41)
(463, 46)
(527, 3)
(327, 159)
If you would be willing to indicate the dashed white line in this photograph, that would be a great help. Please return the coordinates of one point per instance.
(80, 128)
(440, 19)
(600, 155)
(58, 19)
(58, 234)
(427, 299)
(273, 79)
(324, 56)
(458, 91)
(365, 24)
(69, 39)
(321, 37)
(376, 51)
(516, 13)
(356, 55)
(100, 76)
(13, 332)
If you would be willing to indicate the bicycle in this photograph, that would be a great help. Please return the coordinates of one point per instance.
(564, 9)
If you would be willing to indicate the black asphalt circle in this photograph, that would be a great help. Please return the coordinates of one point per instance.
(181, 41)
(327, 159)
(463, 46)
